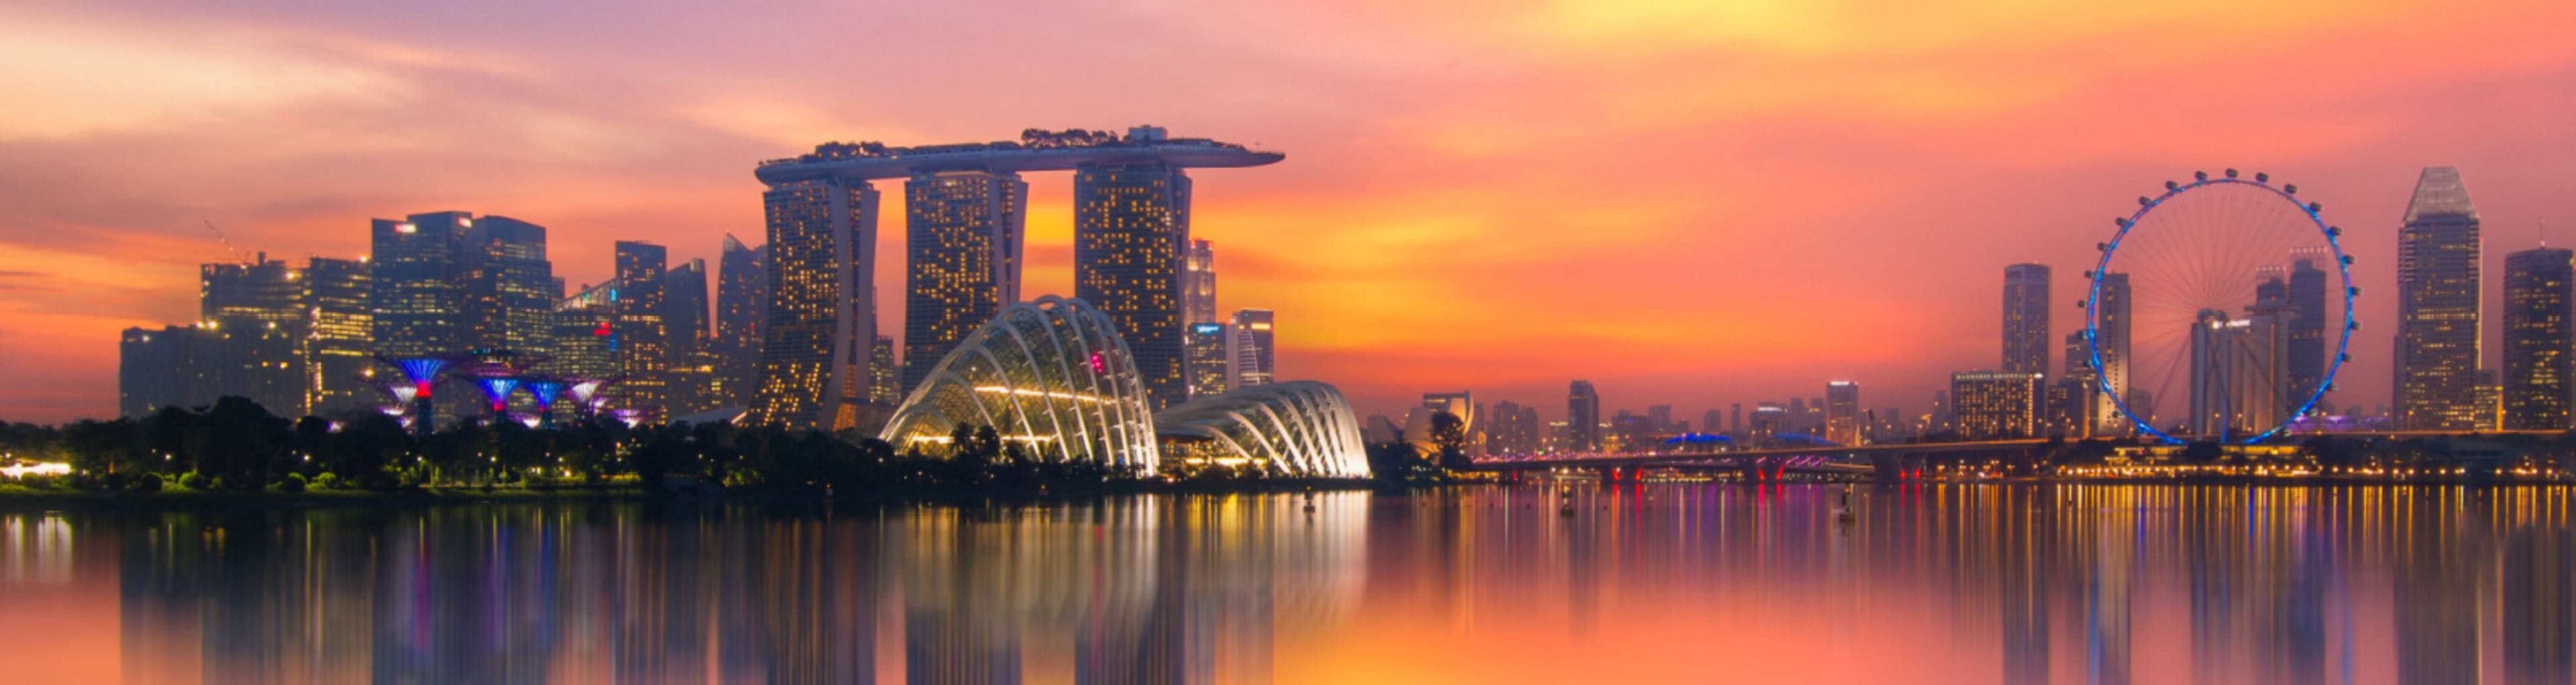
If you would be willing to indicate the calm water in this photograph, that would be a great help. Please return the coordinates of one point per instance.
(1678, 583)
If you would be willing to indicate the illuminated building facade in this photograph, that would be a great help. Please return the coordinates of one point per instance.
(1131, 221)
(691, 383)
(338, 349)
(1296, 428)
(1209, 370)
(815, 365)
(883, 387)
(2025, 324)
(1582, 417)
(1991, 405)
(1842, 413)
(256, 312)
(643, 333)
(412, 291)
(1050, 375)
(1198, 283)
(506, 287)
(962, 254)
(2112, 323)
(1769, 419)
(742, 300)
(2310, 313)
(585, 333)
(2437, 306)
(1251, 350)
(1131, 224)
(2538, 336)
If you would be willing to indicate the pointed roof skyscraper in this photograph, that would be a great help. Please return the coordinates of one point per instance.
(2439, 194)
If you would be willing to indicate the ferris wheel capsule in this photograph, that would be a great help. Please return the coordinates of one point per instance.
(2260, 177)
(2199, 175)
(2231, 173)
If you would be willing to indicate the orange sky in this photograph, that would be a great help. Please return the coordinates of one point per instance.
(1684, 205)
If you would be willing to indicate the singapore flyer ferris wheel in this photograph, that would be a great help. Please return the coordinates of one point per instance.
(2220, 311)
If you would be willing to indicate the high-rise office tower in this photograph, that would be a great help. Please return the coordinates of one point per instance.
(1735, 417)
(2236, 384)
(883, 380)
(2081, 412)
(2309, 314)
(2539, 334)
(585, 333)
(1582, 417)
(1131, 222)
(2111, 324)
(1252, 349)
(814, 359)
(742, 299)
(1209, 370)
(1712, 421)
(2025, 331)
(692, 381)
(338, 347)
(1842, 412)
(1198, 283)
(962, 238)
(1769, 419)
(505, 284)
(1988, 405)
(643, 334)
(173, 366)
(255, 312)
(1796, 419)
(412, 291)
(2437, 305)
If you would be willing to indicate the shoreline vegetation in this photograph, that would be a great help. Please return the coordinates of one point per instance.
(234, 451)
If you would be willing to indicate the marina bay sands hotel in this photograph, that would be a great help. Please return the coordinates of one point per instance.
(965, 215)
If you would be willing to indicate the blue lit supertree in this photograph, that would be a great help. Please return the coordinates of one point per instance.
(544, 389)
(423, 373)
(497, 373)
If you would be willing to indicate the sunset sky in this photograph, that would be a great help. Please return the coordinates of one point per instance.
(1687, 206)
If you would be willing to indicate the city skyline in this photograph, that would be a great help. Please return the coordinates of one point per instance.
(1363, 209)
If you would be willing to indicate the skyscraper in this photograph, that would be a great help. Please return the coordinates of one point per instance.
(2111, 325)
(742, 299)
(1251, 348)
(585, 328)
(643, 334)
(2437, 305)
(1209, 370)
(412, 292)
(337, 345)
(684, 325)
(1582, 417)
(1989, 405)
(1131, 222)
(882, 385)
(2309, 317)
(2081, 414)
(1842, 412)
(962, 245)
(505, 284)
(2026, 309)
(814, 359)
(2237, 387)
(255, 315)
(2539, 334)
(1198, 283)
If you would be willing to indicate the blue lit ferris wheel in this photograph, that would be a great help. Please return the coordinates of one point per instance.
(2221, 311)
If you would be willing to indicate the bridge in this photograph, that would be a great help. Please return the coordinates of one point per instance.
(1898, 461)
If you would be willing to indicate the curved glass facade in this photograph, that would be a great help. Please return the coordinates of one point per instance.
(1299, 428)
(1050, 375)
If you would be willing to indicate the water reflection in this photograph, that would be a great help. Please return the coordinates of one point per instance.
(1523, 584)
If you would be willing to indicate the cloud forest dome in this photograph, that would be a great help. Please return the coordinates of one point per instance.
(1300, 428)
(1050, 375)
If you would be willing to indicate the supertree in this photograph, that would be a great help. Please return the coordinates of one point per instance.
(497, 373)
(544, 389)
(422, 372)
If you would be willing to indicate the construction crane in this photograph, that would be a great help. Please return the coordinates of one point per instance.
(228, 242)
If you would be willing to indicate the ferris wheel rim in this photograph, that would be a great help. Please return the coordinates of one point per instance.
(2343, 270)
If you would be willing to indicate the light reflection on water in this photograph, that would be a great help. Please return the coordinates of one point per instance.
(1668, 583)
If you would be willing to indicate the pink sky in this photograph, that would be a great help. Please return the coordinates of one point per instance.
(1685, 206)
